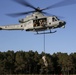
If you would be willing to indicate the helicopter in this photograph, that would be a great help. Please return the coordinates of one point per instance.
(37, 21)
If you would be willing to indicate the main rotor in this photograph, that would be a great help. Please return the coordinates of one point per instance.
(26, 4)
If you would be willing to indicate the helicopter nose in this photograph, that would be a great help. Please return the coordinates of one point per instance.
(64, 23)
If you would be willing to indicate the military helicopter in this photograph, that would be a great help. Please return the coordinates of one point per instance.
(37, 21)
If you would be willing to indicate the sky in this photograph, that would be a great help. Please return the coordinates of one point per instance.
(64, 40)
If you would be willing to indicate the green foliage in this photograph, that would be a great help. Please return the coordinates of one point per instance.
(22, 62)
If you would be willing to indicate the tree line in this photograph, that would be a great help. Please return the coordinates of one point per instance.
(31, 62)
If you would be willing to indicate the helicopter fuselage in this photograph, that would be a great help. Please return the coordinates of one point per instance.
(36, 22)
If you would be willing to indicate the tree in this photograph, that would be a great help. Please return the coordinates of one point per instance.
(65, 62)
(10, 62)
(73, 57)
(20, 62)
(57, 67)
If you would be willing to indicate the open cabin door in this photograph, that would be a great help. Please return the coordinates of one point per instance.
(40, 22)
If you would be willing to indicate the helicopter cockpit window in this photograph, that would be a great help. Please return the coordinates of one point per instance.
(54, 19)
(57, 18)
(40, 22)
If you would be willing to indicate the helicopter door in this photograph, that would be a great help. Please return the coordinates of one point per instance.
(40, 22)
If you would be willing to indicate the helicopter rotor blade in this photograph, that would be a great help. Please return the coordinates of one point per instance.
(19, 14)
(61, 4)
(25, 3)
(47, 13)
(52, 15)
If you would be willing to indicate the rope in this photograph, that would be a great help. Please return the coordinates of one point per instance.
(44, 41)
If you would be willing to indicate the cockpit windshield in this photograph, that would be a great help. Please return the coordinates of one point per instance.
(54, 19)
(57, 18)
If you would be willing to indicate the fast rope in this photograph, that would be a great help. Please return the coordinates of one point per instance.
(44, 56)
(44, 41)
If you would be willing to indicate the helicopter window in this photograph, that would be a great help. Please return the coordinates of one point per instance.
(21, 25)
(49, 23)
(40, 22)
(57, 18)
(54, 19)
(36, 17)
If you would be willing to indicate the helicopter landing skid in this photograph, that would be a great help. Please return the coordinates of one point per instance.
(46, 32)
